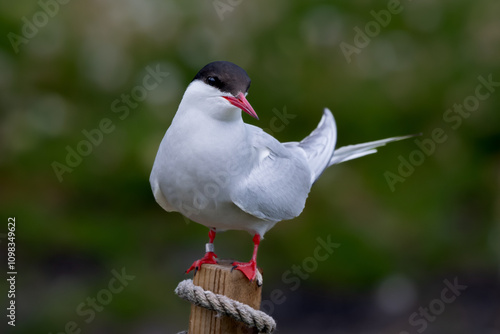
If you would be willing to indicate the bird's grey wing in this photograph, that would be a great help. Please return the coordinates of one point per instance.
(350, 152)
(277, 187)
(318, 147)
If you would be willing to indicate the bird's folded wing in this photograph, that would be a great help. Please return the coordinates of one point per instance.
(159, 197)
(277, 187)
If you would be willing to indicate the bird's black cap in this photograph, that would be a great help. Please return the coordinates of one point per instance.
(225, 76)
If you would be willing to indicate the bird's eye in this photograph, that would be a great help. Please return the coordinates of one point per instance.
(214, 81)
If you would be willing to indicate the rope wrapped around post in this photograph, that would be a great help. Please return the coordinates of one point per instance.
(226, 306)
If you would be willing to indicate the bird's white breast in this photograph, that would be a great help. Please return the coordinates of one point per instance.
(199, 163)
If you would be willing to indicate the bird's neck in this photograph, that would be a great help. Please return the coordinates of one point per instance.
(203, 128)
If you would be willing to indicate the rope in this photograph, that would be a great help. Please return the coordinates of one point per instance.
(226, 306)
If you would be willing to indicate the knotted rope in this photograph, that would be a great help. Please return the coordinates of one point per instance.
(225, 306)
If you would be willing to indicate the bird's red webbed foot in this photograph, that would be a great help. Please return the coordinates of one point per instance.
(249, 269)
(208, 258)
(209, 255)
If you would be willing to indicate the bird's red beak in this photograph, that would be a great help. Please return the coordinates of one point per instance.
(242, 103)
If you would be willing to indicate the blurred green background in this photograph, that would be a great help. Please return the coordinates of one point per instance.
(63, 64)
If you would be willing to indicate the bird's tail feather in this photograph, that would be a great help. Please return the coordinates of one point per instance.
(350, 152)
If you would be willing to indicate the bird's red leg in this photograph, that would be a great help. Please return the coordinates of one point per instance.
(249, 269)
(209, 255)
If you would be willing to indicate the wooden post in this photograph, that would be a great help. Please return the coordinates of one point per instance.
(219, 279)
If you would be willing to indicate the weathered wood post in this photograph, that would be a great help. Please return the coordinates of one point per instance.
(219, 279)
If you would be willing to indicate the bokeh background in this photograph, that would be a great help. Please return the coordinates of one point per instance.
(397, 246)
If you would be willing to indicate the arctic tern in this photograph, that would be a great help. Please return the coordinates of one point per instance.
(228, 175)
